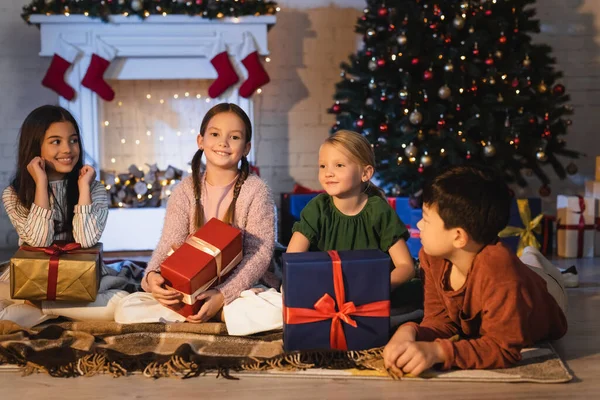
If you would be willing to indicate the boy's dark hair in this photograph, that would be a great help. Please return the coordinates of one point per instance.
(472, 198)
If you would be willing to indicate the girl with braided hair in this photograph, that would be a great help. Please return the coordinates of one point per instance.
(224, 191)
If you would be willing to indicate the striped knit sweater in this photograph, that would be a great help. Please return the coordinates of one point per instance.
(40, 227)
(254, 216)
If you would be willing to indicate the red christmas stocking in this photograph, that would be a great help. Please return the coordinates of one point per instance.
(227, 75)
(94, 76)
(257, 76)
(64, 56)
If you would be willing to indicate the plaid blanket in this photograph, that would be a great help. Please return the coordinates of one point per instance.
(157, 350)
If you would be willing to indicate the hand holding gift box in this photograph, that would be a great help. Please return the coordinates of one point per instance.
(575, 226)
(203, 260)
(336, 300)
(63, 272)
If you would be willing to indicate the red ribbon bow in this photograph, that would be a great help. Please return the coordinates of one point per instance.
(325, 308)
(54, 251)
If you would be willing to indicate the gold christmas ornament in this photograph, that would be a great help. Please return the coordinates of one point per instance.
(426, 160)
(415, 117)
(459, 22)
(489, 150)
(541, 156)
(444, 92)
(410, 150)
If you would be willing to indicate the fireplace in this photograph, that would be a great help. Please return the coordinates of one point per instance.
(160, 76)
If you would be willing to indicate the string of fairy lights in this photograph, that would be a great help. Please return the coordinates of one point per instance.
(104, 9)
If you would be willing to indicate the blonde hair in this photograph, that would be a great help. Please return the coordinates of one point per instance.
(360, 151)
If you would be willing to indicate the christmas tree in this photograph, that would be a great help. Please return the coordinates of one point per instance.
(446, 82)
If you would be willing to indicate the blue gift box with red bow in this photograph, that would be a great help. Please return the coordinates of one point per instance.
(336, 300)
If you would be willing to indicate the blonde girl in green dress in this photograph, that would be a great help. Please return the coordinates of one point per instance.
(353, 213)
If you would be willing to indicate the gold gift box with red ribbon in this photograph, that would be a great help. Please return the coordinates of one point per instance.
(203, 260)
(63, 272)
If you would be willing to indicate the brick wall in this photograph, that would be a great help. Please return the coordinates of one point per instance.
(307, 46)
(21, 70)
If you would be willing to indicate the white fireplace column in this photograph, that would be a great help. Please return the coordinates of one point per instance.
(167, 48)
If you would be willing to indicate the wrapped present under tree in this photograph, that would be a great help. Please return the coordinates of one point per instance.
(575, 226)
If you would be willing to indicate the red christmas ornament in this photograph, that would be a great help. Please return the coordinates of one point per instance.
(360, 123)
(532, 120)
(448, 40)
(516, 30)
(383, 127)
(458, 107)
(517, 140)
(363, 18)
(368, 53)
(383, 98)
(433, 26)
(392, 28)
(382, 12)
(515, 83)
(546, 117)
(380, 62)
(336, 108)
(488, 12)
(441, 123)
(474, 88)
(414, 61)
(559, 89)
(475, 51)
(545, 191)
(421, 169)
(547, 132)
(468, 156)
(427, 75)
(502, 39)
(489, 61)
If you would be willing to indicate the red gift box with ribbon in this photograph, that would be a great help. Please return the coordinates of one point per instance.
(204, 260)
(336, 300)
(62, 272)
(575, 226)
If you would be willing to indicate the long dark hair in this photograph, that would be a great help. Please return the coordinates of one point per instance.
(196, 161)
(31, 138)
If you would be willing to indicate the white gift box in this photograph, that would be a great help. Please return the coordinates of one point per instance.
(575, 226)
(592, 189)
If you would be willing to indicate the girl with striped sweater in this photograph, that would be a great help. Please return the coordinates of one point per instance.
(53, 196)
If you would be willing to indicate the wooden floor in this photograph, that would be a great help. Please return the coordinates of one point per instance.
(580, 348)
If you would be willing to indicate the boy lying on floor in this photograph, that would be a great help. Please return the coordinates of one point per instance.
(474, 287)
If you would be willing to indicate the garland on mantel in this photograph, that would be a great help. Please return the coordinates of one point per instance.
(103, 9)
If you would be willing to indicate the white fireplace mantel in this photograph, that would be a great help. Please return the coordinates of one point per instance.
(169, 47)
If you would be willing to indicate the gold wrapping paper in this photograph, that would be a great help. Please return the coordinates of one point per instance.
(77, 280)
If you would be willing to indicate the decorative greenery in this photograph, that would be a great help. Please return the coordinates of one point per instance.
(447, 82)
(103, 9)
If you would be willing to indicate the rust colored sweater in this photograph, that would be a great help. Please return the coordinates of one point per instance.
(502, 308)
